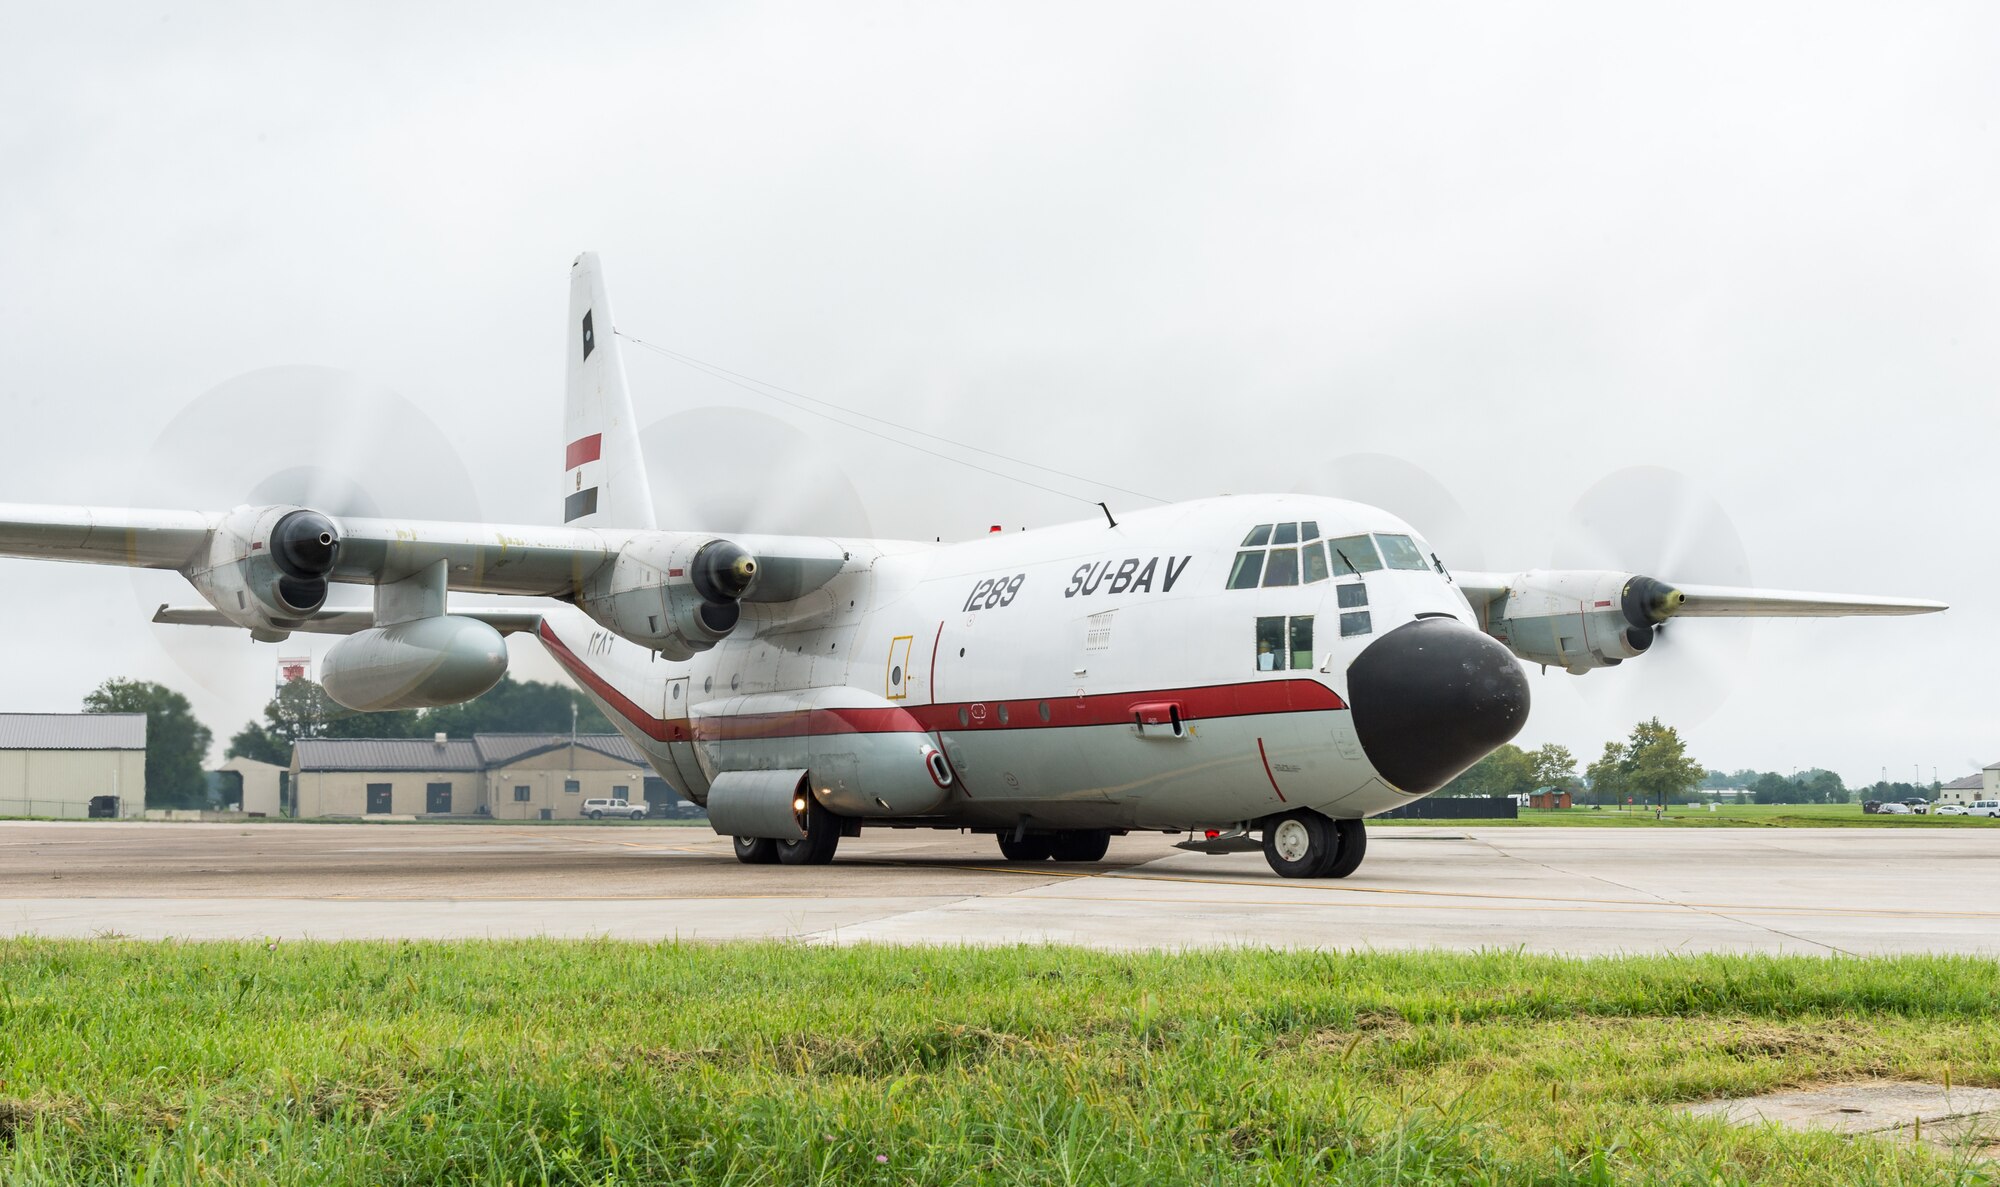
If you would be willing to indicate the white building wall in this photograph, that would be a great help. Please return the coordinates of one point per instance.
(62, 782)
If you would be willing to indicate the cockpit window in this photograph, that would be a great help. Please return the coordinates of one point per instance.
(1285, 533)
(1315, 562)
(1283, 568)
(1309, 530)
(1352, 554)
(1249, 566)
(1402, 552)
(1258, 537)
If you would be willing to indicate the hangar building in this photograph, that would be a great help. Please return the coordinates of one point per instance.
(508, 776)
(64, 764)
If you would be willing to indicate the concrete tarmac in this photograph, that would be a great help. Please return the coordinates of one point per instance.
(1543, 889)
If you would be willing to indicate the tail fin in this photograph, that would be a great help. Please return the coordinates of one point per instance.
(604, 475)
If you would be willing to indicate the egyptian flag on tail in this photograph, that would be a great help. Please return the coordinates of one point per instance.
(604, 476)
(582, 500)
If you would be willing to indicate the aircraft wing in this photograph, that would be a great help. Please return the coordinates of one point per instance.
(1707, 601)
(1722, 601)
(482, 558)
(516, 560)
(105, 535)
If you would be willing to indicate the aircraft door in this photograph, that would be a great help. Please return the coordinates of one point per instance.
(896, 674)
(680, 740)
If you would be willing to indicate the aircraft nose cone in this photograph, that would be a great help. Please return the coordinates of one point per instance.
(1431, 698)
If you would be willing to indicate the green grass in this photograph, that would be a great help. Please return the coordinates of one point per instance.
(552, 1062)
(1730, 816)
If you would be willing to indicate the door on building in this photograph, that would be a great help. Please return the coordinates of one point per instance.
(378, 799)
(437, 798)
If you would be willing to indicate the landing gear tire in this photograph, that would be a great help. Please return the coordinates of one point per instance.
(1353, 847)
(756, 851)
(1305, 844)
(1039, 848)
(1080, 844)
(822, 837)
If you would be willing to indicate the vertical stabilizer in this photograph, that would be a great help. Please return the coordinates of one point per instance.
(604, 475)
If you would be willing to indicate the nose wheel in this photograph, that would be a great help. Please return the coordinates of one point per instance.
(1305, 844)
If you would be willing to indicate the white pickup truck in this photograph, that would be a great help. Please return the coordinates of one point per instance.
(599, 809)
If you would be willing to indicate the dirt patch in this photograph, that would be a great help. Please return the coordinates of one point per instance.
(1820, 1040)
(15, 1116)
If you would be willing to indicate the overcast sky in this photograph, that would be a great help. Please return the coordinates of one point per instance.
(1181, 250)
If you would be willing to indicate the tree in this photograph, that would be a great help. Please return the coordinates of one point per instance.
(1772, 788)
(517, 707)
(1657, 767)
(1554, 766)
(176, 742)
(1823, 786)
(1506, 771)
(301, 709)
(1607, 774)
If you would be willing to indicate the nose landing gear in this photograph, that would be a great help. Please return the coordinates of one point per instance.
(1304, 844)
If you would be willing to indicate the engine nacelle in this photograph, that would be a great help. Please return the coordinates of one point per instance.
(414, 665)
(1580, 620)
(267, 568)
(678, 593)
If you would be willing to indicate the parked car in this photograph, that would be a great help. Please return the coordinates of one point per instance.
(1871, 807)
(1893, 808)
(1984, 808)
(1950, 810)
(599, 809)
(1920, 807)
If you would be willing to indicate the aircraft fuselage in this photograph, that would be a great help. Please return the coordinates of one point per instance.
(1079, 676)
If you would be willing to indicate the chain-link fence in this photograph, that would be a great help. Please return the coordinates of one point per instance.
(63, 809)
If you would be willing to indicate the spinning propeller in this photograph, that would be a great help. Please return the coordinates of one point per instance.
(317, 437)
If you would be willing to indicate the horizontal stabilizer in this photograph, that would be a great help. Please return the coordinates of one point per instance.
(350, 622)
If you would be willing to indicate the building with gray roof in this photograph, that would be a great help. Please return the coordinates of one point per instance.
(504, 776)
(72, 765)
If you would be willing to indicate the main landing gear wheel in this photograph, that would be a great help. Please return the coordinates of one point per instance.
(1034, 848)
(1081, 844)
(1305, 844)
(756, 851)
(822, 837)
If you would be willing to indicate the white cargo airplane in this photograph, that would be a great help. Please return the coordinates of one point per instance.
(1259, 671)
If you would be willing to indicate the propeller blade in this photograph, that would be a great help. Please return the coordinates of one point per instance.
(1660, 523)
(735, 470)
(1409, 492)
(315, 436)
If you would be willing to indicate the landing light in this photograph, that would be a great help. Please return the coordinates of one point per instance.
(798, 803)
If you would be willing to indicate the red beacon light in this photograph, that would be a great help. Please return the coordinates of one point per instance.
(993, 529)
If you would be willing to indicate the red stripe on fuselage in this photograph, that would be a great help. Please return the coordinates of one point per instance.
(1251, 699)
(621, 704)
(1268, 774)
(585, 449)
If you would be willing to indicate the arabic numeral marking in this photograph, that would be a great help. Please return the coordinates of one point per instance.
(978, 591)
(993, 595)
(1013, 587)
